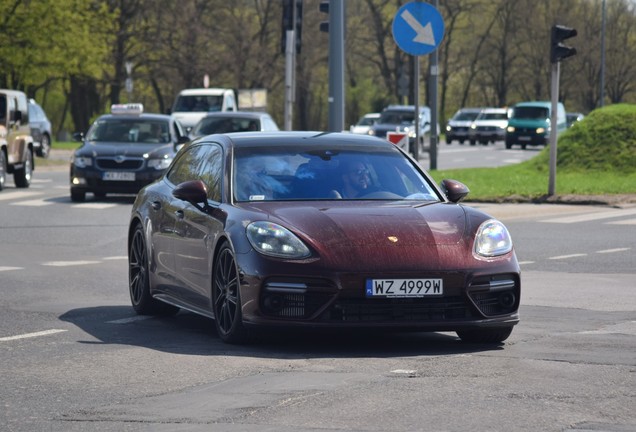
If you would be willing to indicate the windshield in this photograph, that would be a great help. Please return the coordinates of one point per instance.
(397, 117)
(466, 115)
(367, 121)
(198, 103)
(130, 130)
(284, 174)
(214, 125)
(530, 113)
(493, 116)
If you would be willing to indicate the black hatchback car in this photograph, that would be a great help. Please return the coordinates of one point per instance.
(123, 151)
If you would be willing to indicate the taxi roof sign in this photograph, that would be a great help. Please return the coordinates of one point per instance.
(129, 109)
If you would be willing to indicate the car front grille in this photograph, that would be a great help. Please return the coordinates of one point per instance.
(397, 310)
(112, 164)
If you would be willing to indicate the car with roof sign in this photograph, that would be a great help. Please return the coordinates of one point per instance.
(123, 151)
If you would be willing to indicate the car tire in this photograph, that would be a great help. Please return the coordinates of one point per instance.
(45, 147)
(138, 279)
(78, 196)
(226, 298)
(508, 145)
(22, 177)
(494, 335)
(3, 169)
(472, 142)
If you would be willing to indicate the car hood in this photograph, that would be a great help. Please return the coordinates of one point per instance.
(499, 123)
(189, 119)
(106, 149)
(383, 235)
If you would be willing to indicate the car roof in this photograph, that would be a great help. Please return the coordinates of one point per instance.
(268, 139)
(144, 116)
(203, 91)
(237, 114)
(495, 110)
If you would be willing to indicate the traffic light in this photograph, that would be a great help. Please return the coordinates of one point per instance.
(559, 51)
(292, 20)
(324, 7)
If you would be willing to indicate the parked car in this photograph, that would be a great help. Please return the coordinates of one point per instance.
(458, 127)
(401, 118)
(318, 230)
(529, 123)
(16, 142)
(573, 117)
(124, 151)
(489, 126)
(191, 105)
(40, 129)
(234, 121)
(365, 123)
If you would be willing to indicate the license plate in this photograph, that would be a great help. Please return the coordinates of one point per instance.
(404, 287)
(119, 176)
(524, 138)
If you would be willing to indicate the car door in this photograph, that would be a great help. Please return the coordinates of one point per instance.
(197, 226)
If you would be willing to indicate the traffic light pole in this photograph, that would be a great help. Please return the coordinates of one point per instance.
(553, 127)
(336, 65)
(290, 61)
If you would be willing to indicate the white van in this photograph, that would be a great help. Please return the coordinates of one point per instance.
(191, 105)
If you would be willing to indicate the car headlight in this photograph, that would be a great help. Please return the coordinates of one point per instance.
(82, 161)
(371, 132)
(540, 130)
(159, 164)
(448, 128)
(510, 129)
(492, 239)
(274, 240)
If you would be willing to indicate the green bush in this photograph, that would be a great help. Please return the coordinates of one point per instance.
(605, 140)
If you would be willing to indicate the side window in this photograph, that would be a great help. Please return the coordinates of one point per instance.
(211, 171)
(188, 166)
(229, 103)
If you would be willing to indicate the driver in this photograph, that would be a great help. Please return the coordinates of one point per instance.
(355, 180)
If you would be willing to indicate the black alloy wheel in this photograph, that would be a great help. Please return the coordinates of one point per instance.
(226, 298)
(22, 176)
(138, 282)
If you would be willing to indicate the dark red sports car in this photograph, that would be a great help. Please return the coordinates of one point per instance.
(309, 229)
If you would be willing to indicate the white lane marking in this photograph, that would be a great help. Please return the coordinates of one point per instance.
(567, 256)
(31, 335)
(628, 328)
(512, 161)
(592, 216)
(94, 206)
(525, 262)
(613, 250)
(68, 263)
(129, 320)
(409, 372)
(32, 203)
(4, 196)
(35, 181)
(11, 268)
(121, 257)
(623, 222)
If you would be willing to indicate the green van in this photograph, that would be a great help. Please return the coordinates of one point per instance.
(529, 123)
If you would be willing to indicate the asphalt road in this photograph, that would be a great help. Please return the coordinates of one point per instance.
(75, 357)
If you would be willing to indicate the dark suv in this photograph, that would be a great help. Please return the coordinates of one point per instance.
(401, 118)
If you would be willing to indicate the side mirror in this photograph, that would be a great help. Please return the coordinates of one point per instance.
(192, 191)
(454, 190)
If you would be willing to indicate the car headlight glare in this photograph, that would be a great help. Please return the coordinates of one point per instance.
(82, 161)
(492, 239)
(510, 129)
(159, 164)
(540, 130)
(274, 240)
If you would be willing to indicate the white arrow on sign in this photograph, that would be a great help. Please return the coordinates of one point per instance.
(424, 34)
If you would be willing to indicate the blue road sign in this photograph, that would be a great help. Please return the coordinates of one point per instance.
(418, 28)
